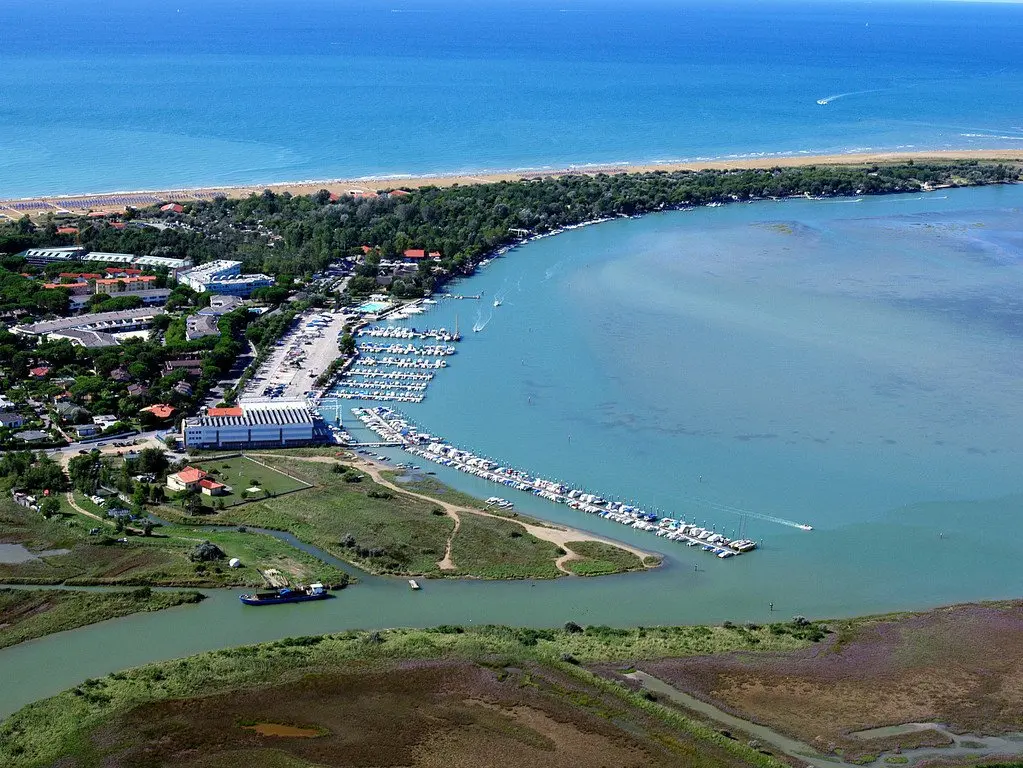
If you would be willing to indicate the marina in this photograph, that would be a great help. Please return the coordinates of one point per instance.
(363, 379)
(391, 425)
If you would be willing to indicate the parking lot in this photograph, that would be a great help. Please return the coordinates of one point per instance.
(299, 358)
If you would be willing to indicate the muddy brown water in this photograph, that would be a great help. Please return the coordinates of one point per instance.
(284, 731)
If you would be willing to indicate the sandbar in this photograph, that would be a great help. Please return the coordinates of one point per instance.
(113, 202)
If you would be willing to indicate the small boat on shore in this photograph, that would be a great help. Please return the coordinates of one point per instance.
(414, 584)
(299, 594)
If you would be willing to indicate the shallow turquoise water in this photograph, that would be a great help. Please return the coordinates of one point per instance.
(853, 365)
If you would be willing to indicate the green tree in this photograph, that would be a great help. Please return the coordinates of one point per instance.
(49, 507)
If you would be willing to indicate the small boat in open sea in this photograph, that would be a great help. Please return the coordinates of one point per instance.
(299, 594)
(414, 584)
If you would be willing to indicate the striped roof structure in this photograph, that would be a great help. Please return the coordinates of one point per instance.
(276, 413)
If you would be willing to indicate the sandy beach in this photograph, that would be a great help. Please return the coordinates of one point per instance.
(117, 201)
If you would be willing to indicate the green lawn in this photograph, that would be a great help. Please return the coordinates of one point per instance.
(242, 473)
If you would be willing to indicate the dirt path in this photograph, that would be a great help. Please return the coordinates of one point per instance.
(74, 505)
(557, 535)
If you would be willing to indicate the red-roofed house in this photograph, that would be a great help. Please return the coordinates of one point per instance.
(212, 487)
(67, 230)
(415, 253)
(122, 272)
(161, 410)
(172, 208)
(39, 373)
(435, 255)
(398, 193)
(118, 224)
(187, 479)
(367, 249)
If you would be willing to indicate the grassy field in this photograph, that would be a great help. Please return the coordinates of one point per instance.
(485, 696)
(429, 486)
(598, 559)
(242, 474)
(159, 560)
(959, 666)
(26, 614)
(499, 549)
(387, 532)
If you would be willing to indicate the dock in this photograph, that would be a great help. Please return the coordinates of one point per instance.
(393, 426)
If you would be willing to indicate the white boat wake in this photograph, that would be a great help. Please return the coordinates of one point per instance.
(747, 513)
(828, 99)
(480, 323)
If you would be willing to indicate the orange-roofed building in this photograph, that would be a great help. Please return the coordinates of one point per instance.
(39, 373)
(435, 254)
(415, 253)
(122, 272)
(132, 284)
(172, 208)
(67, 230)
(161, 410)
(399, 193)
(212, 487)
(234, 410)
(187, 479)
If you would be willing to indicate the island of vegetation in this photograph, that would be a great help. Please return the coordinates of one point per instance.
(927, 688)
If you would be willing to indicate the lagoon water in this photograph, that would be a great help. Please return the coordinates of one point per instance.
(143, 94)
(850, 364)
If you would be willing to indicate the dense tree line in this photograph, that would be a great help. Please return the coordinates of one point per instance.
(286, 235)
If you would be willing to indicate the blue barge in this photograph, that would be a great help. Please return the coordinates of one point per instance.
(298, 594)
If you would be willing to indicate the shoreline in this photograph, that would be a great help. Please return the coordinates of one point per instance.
(99, 201)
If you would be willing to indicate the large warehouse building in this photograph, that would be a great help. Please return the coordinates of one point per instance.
(272, 424)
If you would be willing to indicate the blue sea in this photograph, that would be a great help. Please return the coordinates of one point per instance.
(145, 94)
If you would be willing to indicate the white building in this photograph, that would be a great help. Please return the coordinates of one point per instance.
(130, 259)
(224, 277)
(272, 424)
(40, 256)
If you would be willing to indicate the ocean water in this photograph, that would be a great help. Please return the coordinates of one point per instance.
(851, 364)
(146, 94)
